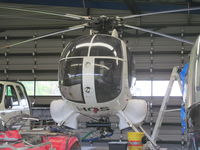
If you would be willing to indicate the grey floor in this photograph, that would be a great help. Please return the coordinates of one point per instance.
(94, 146)
(104, 146)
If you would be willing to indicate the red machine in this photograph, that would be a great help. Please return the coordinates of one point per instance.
(12, 139)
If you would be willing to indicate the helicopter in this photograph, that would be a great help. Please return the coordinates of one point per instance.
(191, 97)
(96, 71)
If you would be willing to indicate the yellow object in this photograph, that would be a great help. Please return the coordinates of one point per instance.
(135, 140)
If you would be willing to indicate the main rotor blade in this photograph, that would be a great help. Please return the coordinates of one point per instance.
(72, 16)
(161, 12)
(47, 35)
(157, 33)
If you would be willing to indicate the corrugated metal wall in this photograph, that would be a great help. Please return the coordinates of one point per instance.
(154, 57)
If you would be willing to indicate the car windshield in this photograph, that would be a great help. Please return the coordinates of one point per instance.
(1, 92)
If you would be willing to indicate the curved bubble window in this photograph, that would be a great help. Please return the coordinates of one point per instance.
(98, 45)
(70, 79)
(104, 45)
(107, 79)
(106, 67)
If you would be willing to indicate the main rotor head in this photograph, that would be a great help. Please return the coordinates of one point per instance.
(104, 24)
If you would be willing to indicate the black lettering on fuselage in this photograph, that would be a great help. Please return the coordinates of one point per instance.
(89, 109)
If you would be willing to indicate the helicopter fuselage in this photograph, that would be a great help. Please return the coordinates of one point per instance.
(95, 75)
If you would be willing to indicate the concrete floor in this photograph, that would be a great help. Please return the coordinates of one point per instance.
(95, 146)
(104, 146)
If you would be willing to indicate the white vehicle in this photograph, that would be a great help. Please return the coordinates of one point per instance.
(13, 100)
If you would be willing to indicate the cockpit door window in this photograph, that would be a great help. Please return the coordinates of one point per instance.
(108, 79)
(71, 79)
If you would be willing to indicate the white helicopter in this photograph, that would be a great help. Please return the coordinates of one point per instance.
(95, 71)
(192, 97)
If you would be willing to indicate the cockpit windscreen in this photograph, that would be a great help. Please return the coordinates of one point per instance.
(107, 54)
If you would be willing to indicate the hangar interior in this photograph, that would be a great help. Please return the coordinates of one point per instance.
(36, 63)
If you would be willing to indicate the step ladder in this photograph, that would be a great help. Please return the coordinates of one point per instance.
(174, 77)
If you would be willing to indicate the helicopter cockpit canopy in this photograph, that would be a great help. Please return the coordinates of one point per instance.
(91, 63)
